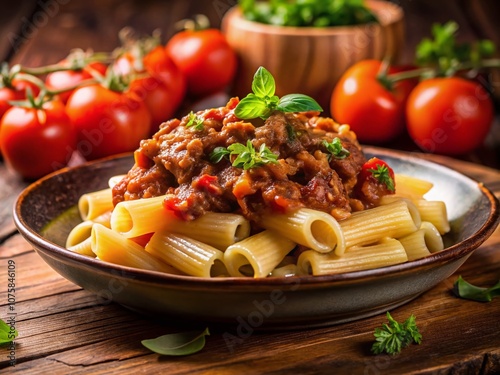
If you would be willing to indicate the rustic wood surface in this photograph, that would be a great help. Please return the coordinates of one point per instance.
(64, 329)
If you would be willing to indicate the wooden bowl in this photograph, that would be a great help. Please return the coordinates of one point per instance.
(310, 60)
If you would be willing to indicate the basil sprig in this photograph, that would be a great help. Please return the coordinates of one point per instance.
(263, 101)
(336, 149)
(246, 156)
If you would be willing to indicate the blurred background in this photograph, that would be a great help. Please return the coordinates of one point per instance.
(39, 32)
(49, 27)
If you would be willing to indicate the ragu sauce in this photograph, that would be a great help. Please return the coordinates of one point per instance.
(176, 162)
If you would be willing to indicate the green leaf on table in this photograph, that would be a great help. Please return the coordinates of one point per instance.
(465, 290)
(177, 344)
(7, 333)
(392, 337)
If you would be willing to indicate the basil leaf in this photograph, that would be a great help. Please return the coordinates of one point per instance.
(263, 84)
(298, 103)
(6, 333)
(218, 154)
(250, 107)
(465, 290)
(177, 344)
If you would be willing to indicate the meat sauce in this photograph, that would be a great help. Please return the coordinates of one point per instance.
(176, 162)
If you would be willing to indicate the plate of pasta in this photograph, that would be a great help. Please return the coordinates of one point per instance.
(47, 211)
(294, 227)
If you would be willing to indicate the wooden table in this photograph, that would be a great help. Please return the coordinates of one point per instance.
(64, 329)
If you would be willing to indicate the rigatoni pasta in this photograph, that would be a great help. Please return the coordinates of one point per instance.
(192, 257)
(404, 227)
(386, 252)
(262, 252)
(315, 229)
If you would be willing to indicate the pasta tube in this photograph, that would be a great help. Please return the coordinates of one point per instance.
(84, 247)
(315, 229)
(79, 233)
(387, 252)
(434, 212)
(262, 252)
(115, 179)
(95, 203)
(189, 256)
(112, 247)
(216, 229)
(423, 242)
(395, 219)
(141, 216)
(411, 187)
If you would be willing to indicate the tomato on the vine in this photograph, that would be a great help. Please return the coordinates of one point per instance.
(159, 83)
(107, 122)
(375, 113)
(66, 79)
(15, 90)
(205, 58)
(37, 141)
(449, 115)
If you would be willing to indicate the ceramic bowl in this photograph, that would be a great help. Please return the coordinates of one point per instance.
(271, 303)
(310, 60)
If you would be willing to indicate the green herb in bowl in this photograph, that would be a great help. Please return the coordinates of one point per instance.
(307, 13)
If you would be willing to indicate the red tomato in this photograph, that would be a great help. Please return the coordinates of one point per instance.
(162, 90)
(449, 115)
(64, 79)
(107, 122)
(16, 90)
(373, 112)
(375, 180)
(205, 58)
(36, 142)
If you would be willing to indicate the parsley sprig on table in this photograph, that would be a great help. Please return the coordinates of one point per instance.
(263, 101)
(392, 337)
(246, 156)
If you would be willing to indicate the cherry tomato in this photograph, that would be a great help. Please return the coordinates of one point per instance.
(375, 113)
(205, 58)
(107, 122)
(65, 79)
(15, 90)
(375, 180)
(449, 115)
(35, 142)
(162, 89)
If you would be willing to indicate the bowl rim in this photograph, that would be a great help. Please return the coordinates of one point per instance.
(377, 6)
(453, 252)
